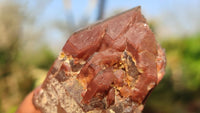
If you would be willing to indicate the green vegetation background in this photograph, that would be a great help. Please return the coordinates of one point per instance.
(24, 66)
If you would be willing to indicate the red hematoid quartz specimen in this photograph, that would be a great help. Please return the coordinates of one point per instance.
(109, 67)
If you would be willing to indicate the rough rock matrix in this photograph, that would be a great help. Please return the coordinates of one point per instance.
(109, 67)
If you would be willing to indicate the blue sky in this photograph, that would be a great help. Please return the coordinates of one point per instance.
(56, 8)
(180, 10)
(174, 17)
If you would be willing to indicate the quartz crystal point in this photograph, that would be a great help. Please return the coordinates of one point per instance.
(108, 67)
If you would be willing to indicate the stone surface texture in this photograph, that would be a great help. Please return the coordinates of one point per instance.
(108, 67)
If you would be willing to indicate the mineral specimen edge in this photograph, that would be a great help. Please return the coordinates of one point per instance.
(111, 66)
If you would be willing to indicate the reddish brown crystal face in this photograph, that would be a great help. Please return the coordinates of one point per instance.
(111, 65)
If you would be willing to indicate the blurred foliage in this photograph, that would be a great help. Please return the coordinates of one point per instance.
(18, 70)
(23, 66)
(46, 58)
(179, 91)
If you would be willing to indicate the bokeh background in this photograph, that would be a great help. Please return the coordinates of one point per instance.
(32, 32)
